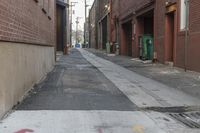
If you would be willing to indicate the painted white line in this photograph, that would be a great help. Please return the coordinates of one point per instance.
(142, 91)
(89, 122)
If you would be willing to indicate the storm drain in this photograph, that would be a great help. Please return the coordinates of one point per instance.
(190, 119)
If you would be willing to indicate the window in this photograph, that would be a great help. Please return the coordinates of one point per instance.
(183, 15)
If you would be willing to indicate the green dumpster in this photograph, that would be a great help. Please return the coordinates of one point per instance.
(147, 47)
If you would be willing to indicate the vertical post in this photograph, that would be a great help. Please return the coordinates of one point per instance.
(110, 27)
(85, 22)
(71, 23)
(186, 31)
(77, 22)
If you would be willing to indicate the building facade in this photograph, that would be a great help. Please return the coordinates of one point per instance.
(165, 31)
(27, 40)
(165, 21)
(177, 34)
(93, 24)
(136, 19)
(104, 24)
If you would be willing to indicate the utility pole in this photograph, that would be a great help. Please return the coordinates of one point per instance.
(77, 22)
(85, 22)
(71, 23)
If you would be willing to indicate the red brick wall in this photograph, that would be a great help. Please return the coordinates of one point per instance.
(24, 21)
(102, 8)
(93, 24)
(193, 62)
(115, 8)
(194, 16)
(159, 29)
(129, 6)
(193, 54)
(115, 16)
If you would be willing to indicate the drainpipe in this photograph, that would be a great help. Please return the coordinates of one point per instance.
(110, 24)
(186, 32)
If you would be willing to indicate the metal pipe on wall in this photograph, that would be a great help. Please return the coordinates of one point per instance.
(186, 31)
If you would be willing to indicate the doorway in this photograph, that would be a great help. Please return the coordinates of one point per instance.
(145, 34)
(127, 28)
(60, 35)
(104, 33)
(170, 37)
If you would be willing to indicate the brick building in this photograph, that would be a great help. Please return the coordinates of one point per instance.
(27, 40)
(104, 23)
(93, 24)
(158, 26)
(26, 21)
(173, 43)
(136, 19)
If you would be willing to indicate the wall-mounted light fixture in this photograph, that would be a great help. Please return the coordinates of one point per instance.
(107, 6)
(168, 2)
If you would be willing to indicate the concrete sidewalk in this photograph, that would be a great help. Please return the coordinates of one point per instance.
(71, 121)
(142, 91)
(188, 82)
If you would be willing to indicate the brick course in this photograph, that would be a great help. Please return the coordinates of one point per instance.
(129, 6)
(24, 21)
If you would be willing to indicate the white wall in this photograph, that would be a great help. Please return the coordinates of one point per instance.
(21, 66)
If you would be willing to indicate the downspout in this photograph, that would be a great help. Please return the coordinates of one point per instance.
(110, 20)
(186, 32)
(110, 27)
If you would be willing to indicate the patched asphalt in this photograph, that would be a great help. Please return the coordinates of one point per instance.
(188, 82)
(75, 84)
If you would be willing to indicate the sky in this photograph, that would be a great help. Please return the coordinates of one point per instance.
(79, 9)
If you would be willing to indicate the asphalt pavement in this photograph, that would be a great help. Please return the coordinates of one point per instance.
(89, 94)
(75, 84)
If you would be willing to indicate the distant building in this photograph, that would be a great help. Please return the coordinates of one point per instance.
(93, 25)
(172, 44)
(104, 23)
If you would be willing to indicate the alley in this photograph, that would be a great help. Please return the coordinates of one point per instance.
(88, 94)
(75, 84)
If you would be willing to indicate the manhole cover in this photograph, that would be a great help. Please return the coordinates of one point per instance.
(190, 119)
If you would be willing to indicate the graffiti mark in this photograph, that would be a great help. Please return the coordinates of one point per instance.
(138, 128)
(25, 131)
(100, 130)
